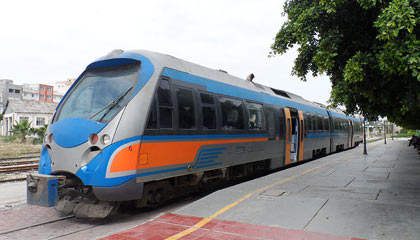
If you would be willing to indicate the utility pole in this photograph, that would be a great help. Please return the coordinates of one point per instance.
(384, 132)
(364, 137)
(392, 132)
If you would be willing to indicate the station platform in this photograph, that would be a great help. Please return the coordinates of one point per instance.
(346, 195)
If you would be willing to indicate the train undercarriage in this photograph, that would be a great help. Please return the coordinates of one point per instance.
(79, 200)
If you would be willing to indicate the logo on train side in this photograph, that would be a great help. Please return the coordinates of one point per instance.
(207, 157)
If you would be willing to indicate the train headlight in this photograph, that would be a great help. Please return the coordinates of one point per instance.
(106, 139)
(50, 138)
(93, 138)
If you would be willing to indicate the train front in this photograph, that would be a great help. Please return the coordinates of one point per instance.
(94, 131)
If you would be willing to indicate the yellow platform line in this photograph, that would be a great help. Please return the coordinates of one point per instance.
(224, 209)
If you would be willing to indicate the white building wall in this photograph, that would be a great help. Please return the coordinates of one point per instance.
(10, 119)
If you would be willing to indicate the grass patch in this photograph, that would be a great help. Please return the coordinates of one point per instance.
(17, 150)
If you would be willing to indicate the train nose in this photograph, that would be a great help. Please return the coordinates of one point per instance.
(72, 132)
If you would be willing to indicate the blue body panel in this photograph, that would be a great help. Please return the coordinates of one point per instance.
(94, 172)
(44, 166)
(72, 132)
(230, 90)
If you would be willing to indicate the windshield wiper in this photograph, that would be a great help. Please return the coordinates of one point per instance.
(110, 105)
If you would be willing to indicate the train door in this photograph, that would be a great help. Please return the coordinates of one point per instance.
(332, 130)
(294, 135)
(288, 131)
(350, 133)
(301, 133)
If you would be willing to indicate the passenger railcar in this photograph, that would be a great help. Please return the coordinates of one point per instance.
(139, 125)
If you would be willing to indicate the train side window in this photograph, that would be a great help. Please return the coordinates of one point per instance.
(165, 104)
(336, 125)
(208, 110)
(326, 123)
(186, 110)
(308, 120)
(153, 120)
(281, 126)
(232, 113)
(256, 116)
(319, 123)
(164, 93)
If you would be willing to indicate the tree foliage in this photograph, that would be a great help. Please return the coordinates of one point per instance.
(22, 129)
(370, 49)
(39, 134)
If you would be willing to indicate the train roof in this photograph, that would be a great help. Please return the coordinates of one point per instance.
(165, 60)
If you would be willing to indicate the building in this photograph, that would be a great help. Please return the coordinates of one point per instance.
(30, 92)
(37, 113)
(61, 87)
(8, 90)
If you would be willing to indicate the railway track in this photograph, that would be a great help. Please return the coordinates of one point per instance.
(15, 169)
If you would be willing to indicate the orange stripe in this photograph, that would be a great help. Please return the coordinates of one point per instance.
(164, 153)
(170, 153)
(126, 159)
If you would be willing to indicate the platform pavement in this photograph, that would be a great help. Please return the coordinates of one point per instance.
(374, 196)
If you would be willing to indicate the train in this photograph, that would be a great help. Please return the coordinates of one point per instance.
(140, 126)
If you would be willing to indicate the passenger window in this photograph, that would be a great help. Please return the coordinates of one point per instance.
(164, 93)
(165, 117)
(326, 124)
(206, 98)
(281, 121)
(152, 123)
(186, 111)
(165, 104)
(319, 123)
(232, 113)
(309, 122)
(256, 116)
(208, 110)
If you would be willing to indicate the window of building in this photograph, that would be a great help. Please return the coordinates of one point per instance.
(232, 113)
(23, 118)
(17, 91)
(49, 89)
(165, 104)
(208, 110)
(24, 94)
(32, 95)
(11, 90)
(48, 97)
(41, 96)
(186, 110)
(40, 121)
(256, 116)
(41, 88)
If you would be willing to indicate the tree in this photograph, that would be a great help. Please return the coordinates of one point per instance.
(22, 129)
(39, 132)
(370, 50)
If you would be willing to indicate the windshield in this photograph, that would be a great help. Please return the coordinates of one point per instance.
(100, 93)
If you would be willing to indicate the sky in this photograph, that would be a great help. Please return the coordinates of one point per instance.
(46, 41)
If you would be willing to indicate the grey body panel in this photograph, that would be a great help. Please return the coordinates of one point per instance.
(72, 159)
(130, 190)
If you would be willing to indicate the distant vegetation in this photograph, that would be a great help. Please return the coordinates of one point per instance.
(22, 130)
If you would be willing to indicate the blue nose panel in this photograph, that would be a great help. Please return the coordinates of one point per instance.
(72, 132)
